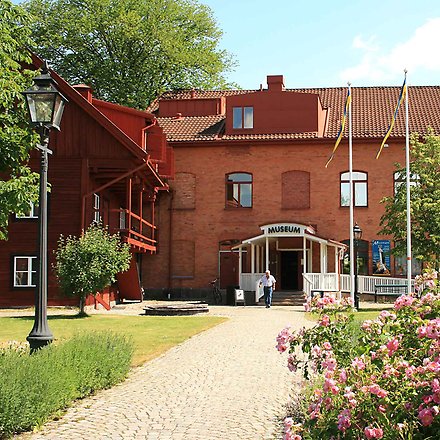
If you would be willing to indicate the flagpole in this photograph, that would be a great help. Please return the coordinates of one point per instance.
(408, 195)
(350, 168)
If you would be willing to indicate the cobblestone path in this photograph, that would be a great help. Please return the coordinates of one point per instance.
(227, 383)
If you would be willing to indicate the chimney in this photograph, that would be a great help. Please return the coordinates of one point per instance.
(85, 91)
(275, 83)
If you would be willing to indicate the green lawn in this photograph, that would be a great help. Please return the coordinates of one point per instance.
(151, 335)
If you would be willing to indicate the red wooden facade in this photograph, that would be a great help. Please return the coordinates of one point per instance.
(110, 163)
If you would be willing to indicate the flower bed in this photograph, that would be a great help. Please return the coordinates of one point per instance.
(383, 383)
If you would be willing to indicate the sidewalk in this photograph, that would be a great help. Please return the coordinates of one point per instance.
(227, 383)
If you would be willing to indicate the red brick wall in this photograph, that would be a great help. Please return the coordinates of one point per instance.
(210, 222)
(295, 190)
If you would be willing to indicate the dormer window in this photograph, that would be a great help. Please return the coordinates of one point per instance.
(242, 117)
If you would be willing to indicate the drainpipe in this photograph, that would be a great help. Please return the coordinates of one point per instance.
(170, 238)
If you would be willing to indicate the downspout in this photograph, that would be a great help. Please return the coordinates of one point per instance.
(170, 238)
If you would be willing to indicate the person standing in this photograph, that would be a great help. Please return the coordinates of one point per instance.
(268, 282)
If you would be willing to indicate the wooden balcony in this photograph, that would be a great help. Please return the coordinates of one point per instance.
(136, 231)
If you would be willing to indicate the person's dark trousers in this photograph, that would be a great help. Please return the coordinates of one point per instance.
(268, 295)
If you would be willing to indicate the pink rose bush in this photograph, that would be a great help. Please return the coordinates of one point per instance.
(380, 381)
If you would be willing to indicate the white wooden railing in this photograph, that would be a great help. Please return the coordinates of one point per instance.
(325, 281)
(329, 281)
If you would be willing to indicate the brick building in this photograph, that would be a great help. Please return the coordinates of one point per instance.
(251, 189)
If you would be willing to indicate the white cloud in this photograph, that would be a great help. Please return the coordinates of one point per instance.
(415, 54)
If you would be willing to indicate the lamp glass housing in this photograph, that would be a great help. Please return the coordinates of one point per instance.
(357, 231)
(45, 104)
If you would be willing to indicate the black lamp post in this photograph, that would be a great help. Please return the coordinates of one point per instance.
(357, 232)
(45, 106)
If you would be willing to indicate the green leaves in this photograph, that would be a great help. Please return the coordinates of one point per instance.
(130, 51)
(425, 202)
(87, 264)
(16, 138)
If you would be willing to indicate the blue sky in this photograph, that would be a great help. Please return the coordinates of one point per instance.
(326, 43)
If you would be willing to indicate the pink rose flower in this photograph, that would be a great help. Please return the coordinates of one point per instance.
(425, 416)
(392, 346)
(358, 363)
(373, 432)
(325, 321)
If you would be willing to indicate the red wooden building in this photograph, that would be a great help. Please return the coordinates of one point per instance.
(251, 190)
(109, 164)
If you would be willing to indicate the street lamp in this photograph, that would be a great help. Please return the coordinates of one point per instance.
(45, 105)
(357, 232)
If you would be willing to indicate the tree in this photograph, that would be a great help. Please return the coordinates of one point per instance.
(88, 264)
(425, 202)
(18, 185)
(130, 51)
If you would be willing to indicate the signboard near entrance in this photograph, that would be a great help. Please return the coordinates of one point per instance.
(286, 229)
(239, 296)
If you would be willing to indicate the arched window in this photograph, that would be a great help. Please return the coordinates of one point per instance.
(360, 188)
(239, 190)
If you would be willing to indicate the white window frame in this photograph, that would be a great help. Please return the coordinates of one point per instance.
(360, 180)
(400, 179)
(31, 269)
(96, 208)
(30, 214)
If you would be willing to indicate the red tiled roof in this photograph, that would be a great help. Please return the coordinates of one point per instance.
(192, 127)
(372, 110)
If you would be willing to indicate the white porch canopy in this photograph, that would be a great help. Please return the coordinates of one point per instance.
(260, 250)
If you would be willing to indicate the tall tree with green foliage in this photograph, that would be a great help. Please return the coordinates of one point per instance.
(130, 51)
(89, 263)
(425, 202)
(18, 185)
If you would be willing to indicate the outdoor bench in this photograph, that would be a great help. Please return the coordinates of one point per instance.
(389, 290)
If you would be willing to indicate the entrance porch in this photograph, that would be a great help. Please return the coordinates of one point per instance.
(290, 251)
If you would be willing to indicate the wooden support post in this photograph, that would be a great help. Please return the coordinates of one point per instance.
(128, 195)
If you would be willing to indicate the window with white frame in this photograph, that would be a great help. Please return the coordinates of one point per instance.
(96, 208)
(360, 188)
(243, 117)
(400, 179)
(31, 213)
(122, 223)
(25, 271)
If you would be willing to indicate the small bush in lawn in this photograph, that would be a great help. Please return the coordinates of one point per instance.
(34, 388)
(386, 386)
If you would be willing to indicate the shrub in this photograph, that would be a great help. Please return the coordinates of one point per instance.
(384, 386)
(88, 264)
(35, 388)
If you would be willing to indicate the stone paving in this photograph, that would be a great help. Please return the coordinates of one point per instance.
(227, 383)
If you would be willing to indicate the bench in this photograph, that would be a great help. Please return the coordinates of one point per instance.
(389, 290)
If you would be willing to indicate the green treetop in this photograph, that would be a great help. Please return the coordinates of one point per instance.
(18, 186)
(425, 202)
(130, 51)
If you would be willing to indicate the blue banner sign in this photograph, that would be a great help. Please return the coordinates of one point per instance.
(381, 257)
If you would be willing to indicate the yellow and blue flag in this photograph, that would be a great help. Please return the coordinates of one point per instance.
(390, 128)
(341, 129)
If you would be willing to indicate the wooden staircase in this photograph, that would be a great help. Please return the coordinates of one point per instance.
(286, 298)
